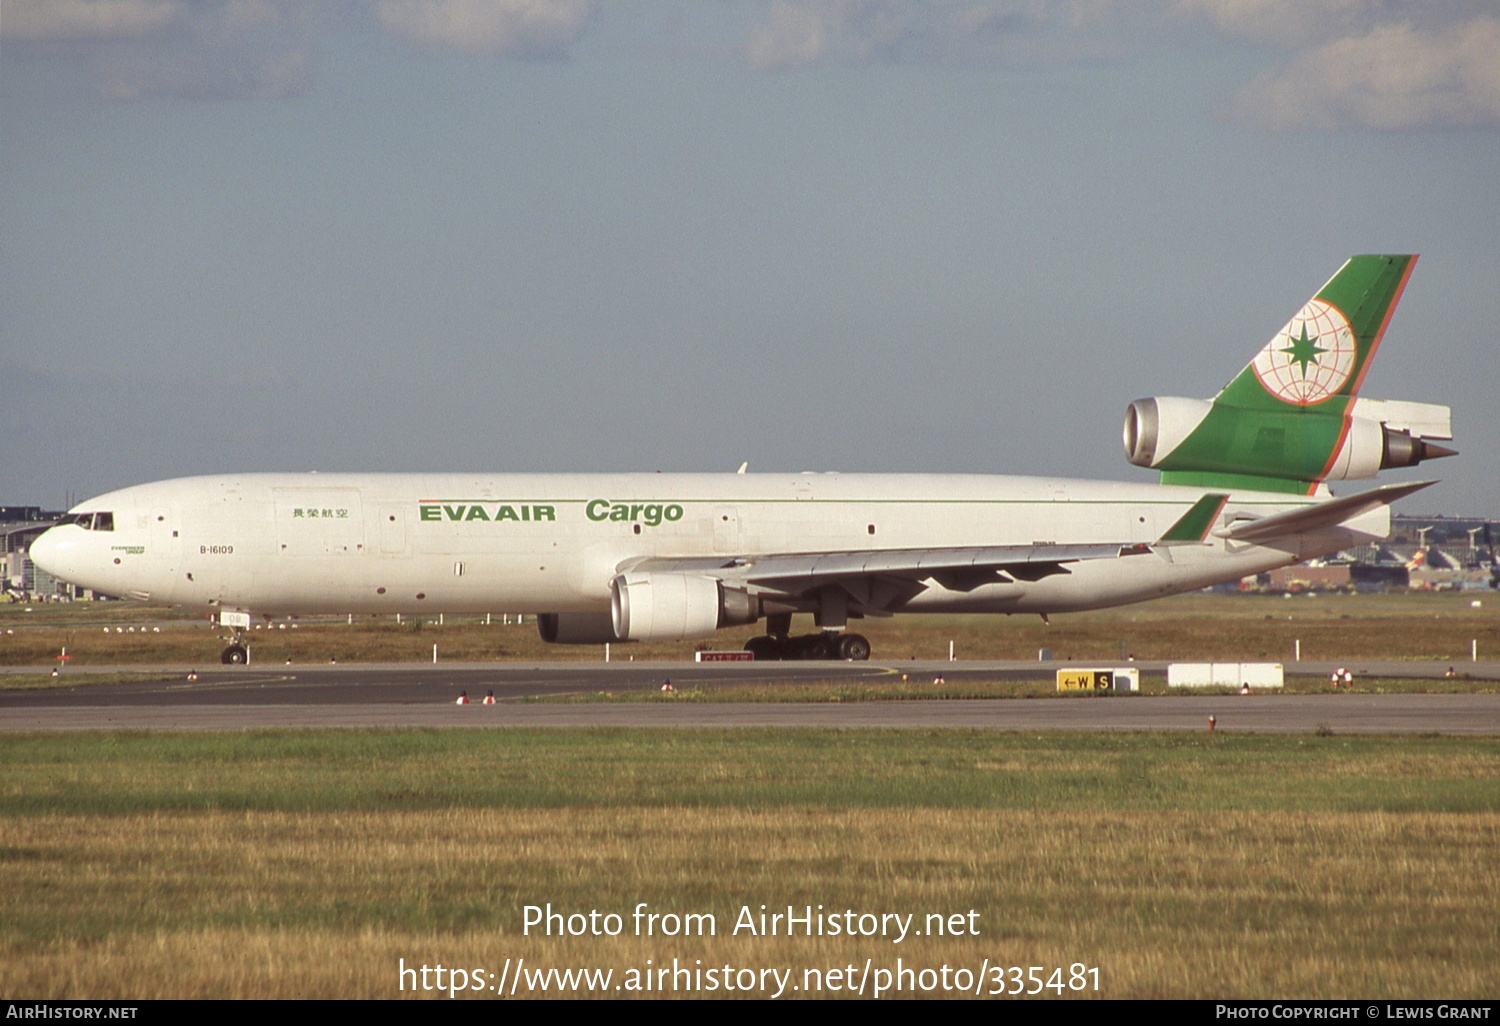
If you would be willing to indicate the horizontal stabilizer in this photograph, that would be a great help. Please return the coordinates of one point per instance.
(1320, 516)
(1193, 525)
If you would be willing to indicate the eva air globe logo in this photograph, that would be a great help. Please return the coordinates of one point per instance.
(1309, 360)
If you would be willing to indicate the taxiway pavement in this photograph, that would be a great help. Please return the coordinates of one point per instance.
(424, 695)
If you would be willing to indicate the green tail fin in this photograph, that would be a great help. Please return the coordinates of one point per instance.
(1322, 354)
(1281, 423)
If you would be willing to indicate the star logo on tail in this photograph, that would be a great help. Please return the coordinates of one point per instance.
(1311, 358)
(1304, 351)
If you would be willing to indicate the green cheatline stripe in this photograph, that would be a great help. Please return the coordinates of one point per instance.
(1194, 524)
(1214, 479)
(1245, 481)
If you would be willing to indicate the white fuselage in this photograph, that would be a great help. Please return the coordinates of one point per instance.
(286, 544)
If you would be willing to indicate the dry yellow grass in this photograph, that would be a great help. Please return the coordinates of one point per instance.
(1174, 904)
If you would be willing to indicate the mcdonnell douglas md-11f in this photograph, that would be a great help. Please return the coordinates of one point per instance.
(642, 557)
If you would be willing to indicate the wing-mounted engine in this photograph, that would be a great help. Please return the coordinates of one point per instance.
(674, 607)
(576, 628)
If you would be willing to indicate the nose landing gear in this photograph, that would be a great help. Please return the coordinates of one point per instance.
(237, 653)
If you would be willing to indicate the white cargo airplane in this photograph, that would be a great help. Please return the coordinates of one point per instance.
(637, 557)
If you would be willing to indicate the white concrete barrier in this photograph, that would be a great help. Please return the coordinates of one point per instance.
(1225, 675)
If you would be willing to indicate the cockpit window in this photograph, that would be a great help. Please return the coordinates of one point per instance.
(90, 521)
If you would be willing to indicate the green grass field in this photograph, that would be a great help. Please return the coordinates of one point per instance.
(306, 863)
(309, 863)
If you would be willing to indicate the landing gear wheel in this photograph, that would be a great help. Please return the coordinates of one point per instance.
(763, 648)
(849, 647)
(854, 648)
(812, 646)
(235, 655)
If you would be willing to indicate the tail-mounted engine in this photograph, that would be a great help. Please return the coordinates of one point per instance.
(1191, 435)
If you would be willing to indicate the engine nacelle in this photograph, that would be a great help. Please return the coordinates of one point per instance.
(1407, 430)
(1360, 457)
(576, 628)
(1372, 435)
(1156, 426)
(675, 607)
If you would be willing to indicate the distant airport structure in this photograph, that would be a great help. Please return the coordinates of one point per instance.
(1430, 552)
(19, 577)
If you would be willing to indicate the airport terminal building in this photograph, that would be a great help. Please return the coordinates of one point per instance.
(19, 577)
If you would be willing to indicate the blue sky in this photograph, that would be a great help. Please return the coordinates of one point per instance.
(835, 234)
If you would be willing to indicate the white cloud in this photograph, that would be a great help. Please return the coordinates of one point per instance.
(259, 49)
(499, 28)
(1392, 77)
(196, 49)
(1302, 23)
(802, 33)
(1391, 64)
(1286, 22)
(229, 71)
(60, 20)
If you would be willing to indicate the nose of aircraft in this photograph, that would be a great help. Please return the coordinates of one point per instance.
(50, 551)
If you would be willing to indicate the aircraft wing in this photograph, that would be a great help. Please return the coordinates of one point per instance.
(1319, 516)
(879, 577)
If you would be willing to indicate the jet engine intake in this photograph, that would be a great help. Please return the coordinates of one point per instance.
(674, 607)
(1156, 426)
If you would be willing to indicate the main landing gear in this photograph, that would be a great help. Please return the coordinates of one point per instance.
(777, 643)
